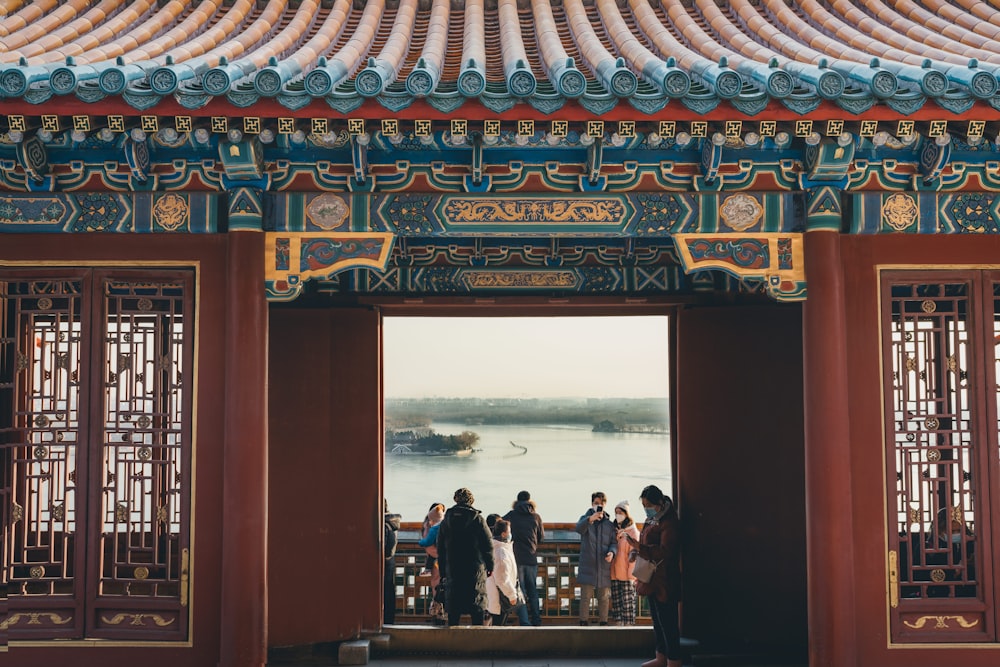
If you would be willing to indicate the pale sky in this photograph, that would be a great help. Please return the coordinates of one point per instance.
(526, 357)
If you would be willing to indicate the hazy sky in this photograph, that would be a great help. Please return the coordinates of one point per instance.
(529, 357)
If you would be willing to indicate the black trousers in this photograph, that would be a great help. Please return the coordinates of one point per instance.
(454, 617)
(666, 627)
(389, 592)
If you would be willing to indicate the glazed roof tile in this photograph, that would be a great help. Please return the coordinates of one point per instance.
(499, 53)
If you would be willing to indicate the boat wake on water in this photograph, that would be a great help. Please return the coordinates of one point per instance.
(522, 451)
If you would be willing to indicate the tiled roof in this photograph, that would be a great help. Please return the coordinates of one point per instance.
(500, 53)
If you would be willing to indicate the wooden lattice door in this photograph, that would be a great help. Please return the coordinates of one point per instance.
(939, 365)
(95, 453)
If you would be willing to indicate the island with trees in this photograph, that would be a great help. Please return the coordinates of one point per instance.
(429, 443)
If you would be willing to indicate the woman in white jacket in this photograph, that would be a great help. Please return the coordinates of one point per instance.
(503, 581)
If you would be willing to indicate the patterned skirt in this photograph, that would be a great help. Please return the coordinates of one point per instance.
(623, 600)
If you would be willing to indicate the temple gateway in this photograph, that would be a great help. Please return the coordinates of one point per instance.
(207, 207)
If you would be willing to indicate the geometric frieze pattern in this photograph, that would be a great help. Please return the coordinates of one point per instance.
(140, 212)
(774, 261)
(925, 213)
(528, 266)
(656, 214)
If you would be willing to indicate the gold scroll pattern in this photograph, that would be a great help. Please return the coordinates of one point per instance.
(941, 622)
(138, 619)
(534, 210)
(529, 279)
(34, 618)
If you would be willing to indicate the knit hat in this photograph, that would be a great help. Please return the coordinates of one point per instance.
(624, 506)
(436, 514)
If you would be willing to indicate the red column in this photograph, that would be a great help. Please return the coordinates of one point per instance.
(829, 537)
(243, 640)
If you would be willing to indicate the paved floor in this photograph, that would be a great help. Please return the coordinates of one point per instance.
(530, 662)
(508, 662)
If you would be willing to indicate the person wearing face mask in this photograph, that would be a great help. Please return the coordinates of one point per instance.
(623, 596)
(503, 581)
(660, 543)
(598, 547)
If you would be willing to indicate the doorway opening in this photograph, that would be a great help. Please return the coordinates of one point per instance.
(558, 406)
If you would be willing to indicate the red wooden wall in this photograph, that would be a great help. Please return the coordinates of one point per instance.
(325, 517)
(739, 443)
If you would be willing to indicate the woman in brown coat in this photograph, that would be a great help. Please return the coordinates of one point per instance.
(660, 543)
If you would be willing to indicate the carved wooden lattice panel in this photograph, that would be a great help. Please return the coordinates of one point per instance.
(934, 334)
(40, 379)
(95, 454)
(141, 544)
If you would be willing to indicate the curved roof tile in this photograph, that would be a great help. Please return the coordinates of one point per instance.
(504, 52)
(425, 75)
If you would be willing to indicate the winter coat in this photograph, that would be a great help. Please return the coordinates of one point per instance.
(596, 540)
(503, 581)
(660, 542)
(526, 530)
(390, 538)
(621, 568)
(429, 541)
(465, 555)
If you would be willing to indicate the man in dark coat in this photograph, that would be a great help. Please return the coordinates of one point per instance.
(389, 541)
(465, 556)
(527, 530)
(598, 546)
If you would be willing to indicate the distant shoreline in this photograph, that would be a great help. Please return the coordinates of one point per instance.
(621, 415)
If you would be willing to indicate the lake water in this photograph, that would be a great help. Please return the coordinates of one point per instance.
(563, 465)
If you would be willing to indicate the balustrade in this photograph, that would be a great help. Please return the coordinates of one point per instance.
(559, 595)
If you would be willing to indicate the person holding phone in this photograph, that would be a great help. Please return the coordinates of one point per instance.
(660, 542)
(598, 546)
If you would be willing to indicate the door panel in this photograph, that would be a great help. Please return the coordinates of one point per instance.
(43, 507)
(938, 459)
(95, 453)
(136, 585)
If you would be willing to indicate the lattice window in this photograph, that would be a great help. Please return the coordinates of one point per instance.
(95, 453)
(937, 447)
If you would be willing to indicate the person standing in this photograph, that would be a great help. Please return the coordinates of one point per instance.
(660, 543)
(528, 532)
(502, 582)
(389, 541)
(465, 556)
(428, 540)
(598, 547)
(623, 597)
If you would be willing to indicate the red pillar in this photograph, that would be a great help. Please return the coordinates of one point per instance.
(243, 640)
(829, 535)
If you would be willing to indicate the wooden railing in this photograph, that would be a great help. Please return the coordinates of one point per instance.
(558, 592)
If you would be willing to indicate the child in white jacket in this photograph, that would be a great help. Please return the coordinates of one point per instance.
(503, 581)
